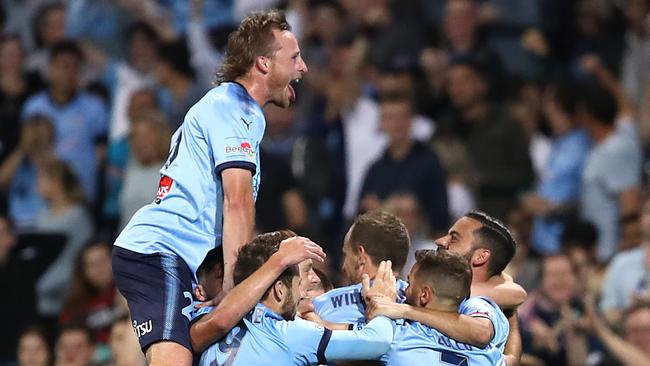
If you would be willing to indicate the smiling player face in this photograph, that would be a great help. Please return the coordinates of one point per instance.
(285, 66)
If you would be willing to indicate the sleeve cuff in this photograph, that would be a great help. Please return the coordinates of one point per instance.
(322, 346)
(237, 164)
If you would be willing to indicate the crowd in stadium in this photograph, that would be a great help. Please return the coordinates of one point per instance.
(536, 112)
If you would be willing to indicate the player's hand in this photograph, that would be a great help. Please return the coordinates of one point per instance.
(297, 249)
(381, 305)
(383, 285)
(212, 302)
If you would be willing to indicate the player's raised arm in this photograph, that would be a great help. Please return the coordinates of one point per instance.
(502, 290)
(245, 295)
(238, 217)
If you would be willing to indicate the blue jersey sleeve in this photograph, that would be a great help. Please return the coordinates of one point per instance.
(307, 341)
(233, 137)
(482, 307)
(370, 343)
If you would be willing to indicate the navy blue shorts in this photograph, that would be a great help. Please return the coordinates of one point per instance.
(158, 289)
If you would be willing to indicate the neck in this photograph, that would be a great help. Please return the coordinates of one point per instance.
(256, 89)
(600, 133)
(442, 305)
(274, 306)
(476, 112)
(179, 86)
(479, 275)
(398, 149)
(60, 205)
(61, 95)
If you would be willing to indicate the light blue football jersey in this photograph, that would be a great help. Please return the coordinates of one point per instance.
(345, 305)
(222, 130)
(416, 344)
(264, 338)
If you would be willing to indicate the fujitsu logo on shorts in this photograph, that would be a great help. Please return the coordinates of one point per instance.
(164, 186)
(142, 329)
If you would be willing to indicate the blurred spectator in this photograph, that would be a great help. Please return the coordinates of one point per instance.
(628, 275)
(18, 172)
(33, 348)
(497, 145)
(636, 56)
(550, 315)
(556, 197)
(630, 226)
(611, 178)
(98, 22)
(91, 298)
(65, 214)
(125, 347)
(74, 347)
(79, 118)
(176, 76)
(405, 206)
(16, 85)
(463, 39)
(407, 165)
(525, 266)
(142, 101)
(280, 203)
(48, 29)
(149, 145)
(634, 347)
(579, 243)
(123, 77)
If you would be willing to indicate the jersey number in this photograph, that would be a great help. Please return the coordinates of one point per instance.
(229, 346)
(173, 153)
(453, 358)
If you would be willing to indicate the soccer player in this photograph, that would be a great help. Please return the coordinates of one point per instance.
(207, 188)
(489, 246)
(373, 237)
(441, 280)
(270, 333)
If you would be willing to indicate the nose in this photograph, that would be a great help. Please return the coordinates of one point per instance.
(443, 242)
(302, 66)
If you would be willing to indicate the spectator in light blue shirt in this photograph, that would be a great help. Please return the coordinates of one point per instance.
(79, 118)
(559, 189)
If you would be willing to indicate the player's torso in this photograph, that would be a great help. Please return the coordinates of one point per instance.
(416, 344)
(256, 340)
(345, 305)
(185, 217)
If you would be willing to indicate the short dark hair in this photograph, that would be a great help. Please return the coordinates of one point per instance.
(383, 236)
(564, 94)
(141, 27)
(254, 254)
(212, 259)
(177, 56)
(599, 103)
(66, 47)
(402, 97)
(496, 237)
(254, 37)
(580, 234)
(448, 274)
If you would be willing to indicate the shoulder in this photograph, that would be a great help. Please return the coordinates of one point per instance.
(478, 305)
(628, 258)
(37, 99)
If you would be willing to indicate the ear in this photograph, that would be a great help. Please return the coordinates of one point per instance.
(362, 256)
(480, 257)
(427, 296)
(262, 64)
(278, 291)
(199, 293)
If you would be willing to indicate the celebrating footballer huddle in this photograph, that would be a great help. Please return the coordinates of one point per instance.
(201, 289)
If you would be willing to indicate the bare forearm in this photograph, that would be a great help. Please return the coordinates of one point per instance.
(626, 353)
(9, 167)
(513, 348)
(508, 295)
(239, 301)
(462, 328)
(238, 221)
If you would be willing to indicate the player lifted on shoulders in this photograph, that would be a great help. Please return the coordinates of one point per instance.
(207, 188)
